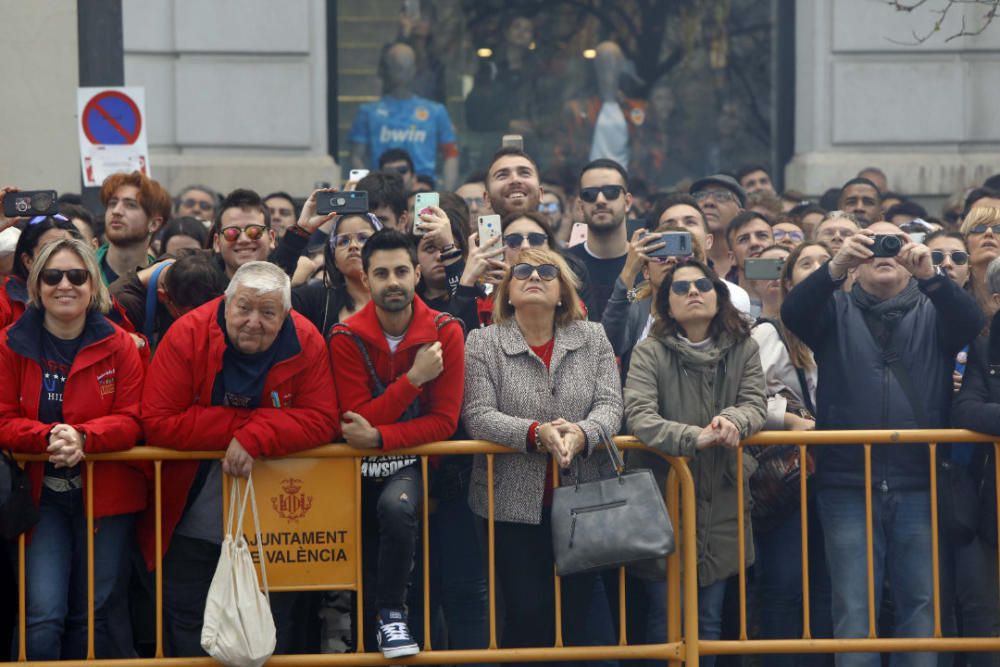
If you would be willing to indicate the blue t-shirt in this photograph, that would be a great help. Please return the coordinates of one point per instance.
(415, 124)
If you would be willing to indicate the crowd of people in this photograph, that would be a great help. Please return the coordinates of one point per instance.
(258, 327)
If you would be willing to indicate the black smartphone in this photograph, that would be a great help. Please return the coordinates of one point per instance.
(676, 244)
(763, 269)
(30, 203)
(342, 203)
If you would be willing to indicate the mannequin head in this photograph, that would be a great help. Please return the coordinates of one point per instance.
(609, 64)
(399, 68)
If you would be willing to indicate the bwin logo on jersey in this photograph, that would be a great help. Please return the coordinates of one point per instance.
(408, 135)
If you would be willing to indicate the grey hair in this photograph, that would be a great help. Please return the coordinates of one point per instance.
(993, 276)
(201, 188)
(262, 278)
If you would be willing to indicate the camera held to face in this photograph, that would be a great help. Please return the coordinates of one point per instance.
(886, 245)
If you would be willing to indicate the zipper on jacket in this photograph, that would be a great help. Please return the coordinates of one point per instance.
(590, 508)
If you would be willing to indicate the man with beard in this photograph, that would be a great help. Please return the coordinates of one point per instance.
(242, 231)
(605, 201)
(135, 206)
(385, 409)
(720, 198)
(862, 198)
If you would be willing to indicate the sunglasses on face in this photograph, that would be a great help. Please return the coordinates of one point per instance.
(40, 218)
(682, 287)
(958, 257)
(53, 277)
(793, 235)
(197, 203)
(253, 232)
(550, 208)
(720, 196)
(981, 229)
(515, 240)
(344, 240)
(524, 270)
(610, 192)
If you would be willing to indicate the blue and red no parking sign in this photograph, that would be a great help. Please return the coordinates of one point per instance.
(112, 118)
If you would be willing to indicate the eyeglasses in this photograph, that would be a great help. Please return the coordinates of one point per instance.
(981, 229)
(535, 239)
(550, 208)
(793, 235)
(682, 287)
(524, 270)
(958, 257)
(253, 232)
(197, 203)
(830, 232)
(53, 277)
(41, 218)
(474, 203)
(344, 240)
(610, 192)
(720, 196)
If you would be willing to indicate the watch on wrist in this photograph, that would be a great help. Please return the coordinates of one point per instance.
(632, 295)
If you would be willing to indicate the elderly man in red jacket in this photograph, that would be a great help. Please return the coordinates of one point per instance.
(244, 374)
(400, 377)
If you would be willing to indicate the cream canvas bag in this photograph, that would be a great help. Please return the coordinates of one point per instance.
(238, 629)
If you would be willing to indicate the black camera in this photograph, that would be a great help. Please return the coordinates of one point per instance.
(30, 204)
(342, 203)
(886, 245)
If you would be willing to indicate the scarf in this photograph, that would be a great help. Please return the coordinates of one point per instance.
(887, 312)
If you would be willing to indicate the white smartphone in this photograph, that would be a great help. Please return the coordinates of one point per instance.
(357, 174)
(578, 234)
(513, 141)
(421, 201)
(489, 229)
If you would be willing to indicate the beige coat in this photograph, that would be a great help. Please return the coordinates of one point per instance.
(507, 387)
(674, 390)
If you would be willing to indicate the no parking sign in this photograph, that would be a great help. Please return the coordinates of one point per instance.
(112, 132)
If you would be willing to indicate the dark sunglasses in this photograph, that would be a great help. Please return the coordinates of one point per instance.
(958, 257)
(682, 287)
(197, 203)
(524, 270)
(981, 229)
(53, 277)
(253, 232)
(41, 218)
(344, 240)
(610, 192)
(551, 207)
(535, 239)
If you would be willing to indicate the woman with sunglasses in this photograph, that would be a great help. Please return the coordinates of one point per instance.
(949, 251)
(542, 381)
(981, 229)
(790, 377)
(486, 266)
(38, 232)
(341, 292)
(695, 388)
(72, 386)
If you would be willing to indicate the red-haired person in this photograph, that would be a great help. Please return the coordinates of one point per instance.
(135, 208)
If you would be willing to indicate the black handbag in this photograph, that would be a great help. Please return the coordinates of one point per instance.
(18, 513)
(609, 522)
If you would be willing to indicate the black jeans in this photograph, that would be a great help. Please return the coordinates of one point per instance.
(390, 519)
(525, 574)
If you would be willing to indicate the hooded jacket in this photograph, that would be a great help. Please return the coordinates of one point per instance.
(101, 400)
(298, 409)
(672, 392)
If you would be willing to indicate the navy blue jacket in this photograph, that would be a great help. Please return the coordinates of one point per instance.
(856, 389)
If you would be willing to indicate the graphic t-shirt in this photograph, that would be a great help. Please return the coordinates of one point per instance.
(57, 358)
(415, 124)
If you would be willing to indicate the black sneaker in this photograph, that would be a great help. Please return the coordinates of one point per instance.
(394, 638)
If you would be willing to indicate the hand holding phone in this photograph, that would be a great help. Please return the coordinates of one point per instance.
(341, 203)
(29, 203)
(421, 201)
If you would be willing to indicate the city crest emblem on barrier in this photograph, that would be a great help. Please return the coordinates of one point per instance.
(292, 504)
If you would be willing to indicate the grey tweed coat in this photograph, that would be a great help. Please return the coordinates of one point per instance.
(507, 388)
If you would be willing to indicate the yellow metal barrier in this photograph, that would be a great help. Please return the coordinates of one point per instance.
(680, 485)
(681, 566)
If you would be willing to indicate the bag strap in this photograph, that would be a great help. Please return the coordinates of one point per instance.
(799, 373)
(249, 495)
(613, 452)
(234, 499)
(883, 339)
(150, 322)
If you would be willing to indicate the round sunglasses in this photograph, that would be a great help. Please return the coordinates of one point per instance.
(958, 257)
(546, 272)
(682, 287)
(515, 240)
(610, 192)
(53, 277)
(253, 232)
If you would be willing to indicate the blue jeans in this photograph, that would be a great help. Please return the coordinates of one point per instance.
(56, 577)
(710, 602)
(901, 546)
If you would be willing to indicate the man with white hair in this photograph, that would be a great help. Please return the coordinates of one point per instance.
(245, 374)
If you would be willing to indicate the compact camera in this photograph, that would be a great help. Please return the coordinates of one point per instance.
(30, 204)
(886, 245)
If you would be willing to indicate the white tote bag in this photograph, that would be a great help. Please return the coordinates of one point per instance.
(238, 629)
